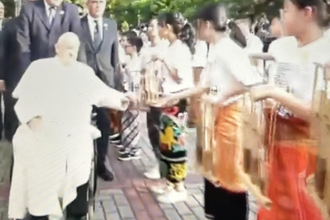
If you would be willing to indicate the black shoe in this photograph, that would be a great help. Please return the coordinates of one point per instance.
(133, 155)
(115, 140)
(113, 136)
(119, 146)
(106, 175)
(76, 217)
(31, 217)
(123, 151)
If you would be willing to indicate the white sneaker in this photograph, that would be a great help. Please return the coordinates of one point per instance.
(173, 196)
(153, 173)
(161, 189)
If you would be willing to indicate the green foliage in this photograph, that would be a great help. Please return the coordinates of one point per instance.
(133, 12)
(9, 8)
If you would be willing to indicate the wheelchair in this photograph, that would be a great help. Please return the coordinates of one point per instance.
(92, 186)
(92, 183)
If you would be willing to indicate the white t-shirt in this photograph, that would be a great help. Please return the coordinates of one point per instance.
(228, 65)
(280, 49)
(297, 72)
(200, 56)
(121, 54)
(131, 76)
(179, 57)
(253, 44)
(146, 54)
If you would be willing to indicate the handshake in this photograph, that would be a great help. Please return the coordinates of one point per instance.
(130, 100)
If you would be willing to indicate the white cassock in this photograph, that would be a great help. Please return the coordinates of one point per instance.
(53, 161)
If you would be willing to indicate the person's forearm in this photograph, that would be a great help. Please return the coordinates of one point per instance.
(27, 110)
(293, 104)
(224, 98)
(113, 99)
(195, 91)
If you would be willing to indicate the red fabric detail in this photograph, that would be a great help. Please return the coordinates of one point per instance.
(290, 166)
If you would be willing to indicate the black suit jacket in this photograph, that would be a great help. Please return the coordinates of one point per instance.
(4, 21)
(103, 59)
(9, 55)
(36, 37)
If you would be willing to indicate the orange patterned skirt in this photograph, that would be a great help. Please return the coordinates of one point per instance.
(228, 150)
(292, 159)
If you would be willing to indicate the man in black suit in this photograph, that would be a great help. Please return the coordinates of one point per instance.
(2, 54)
(10, 74)
(40, 24)
(101, 47)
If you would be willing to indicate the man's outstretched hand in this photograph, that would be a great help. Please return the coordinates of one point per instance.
(133, 99)
(35, 124)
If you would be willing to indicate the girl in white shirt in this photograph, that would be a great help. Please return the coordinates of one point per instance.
(229, 72)
(177, 76)
(198, 62)
(158, 46)
(130, 136)
(293, 152)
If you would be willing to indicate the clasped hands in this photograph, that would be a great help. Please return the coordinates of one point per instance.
(130, 100)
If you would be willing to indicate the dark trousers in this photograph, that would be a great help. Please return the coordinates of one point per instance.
(103, 124)
(1, 119)
(221, 203)
(77, 208)
(153, 123)
(10, 120)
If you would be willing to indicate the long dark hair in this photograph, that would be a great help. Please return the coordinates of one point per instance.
(319, 7)
(236, 34)
(217, 14)
(182, 29)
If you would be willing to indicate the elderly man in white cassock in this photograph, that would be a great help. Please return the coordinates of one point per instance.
(53, 145)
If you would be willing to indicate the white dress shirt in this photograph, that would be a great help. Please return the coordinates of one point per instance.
(91, 24)
(47, 7)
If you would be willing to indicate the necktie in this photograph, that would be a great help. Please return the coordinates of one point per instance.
(52, 13)
(97, 35)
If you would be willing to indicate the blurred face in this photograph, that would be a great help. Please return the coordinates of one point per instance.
(54, 2)
(67, 52)
(204, 30)
(296, 21)
(153, 28)
(144, 37)
(165, 31)
(276, 27)
(123, 41)
(96, 7)
(2, 11)
(130, 49)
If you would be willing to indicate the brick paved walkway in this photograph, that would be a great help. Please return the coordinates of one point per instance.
(127, 197)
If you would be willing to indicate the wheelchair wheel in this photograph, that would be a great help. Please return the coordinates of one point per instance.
(92, 190)
(11, 169)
